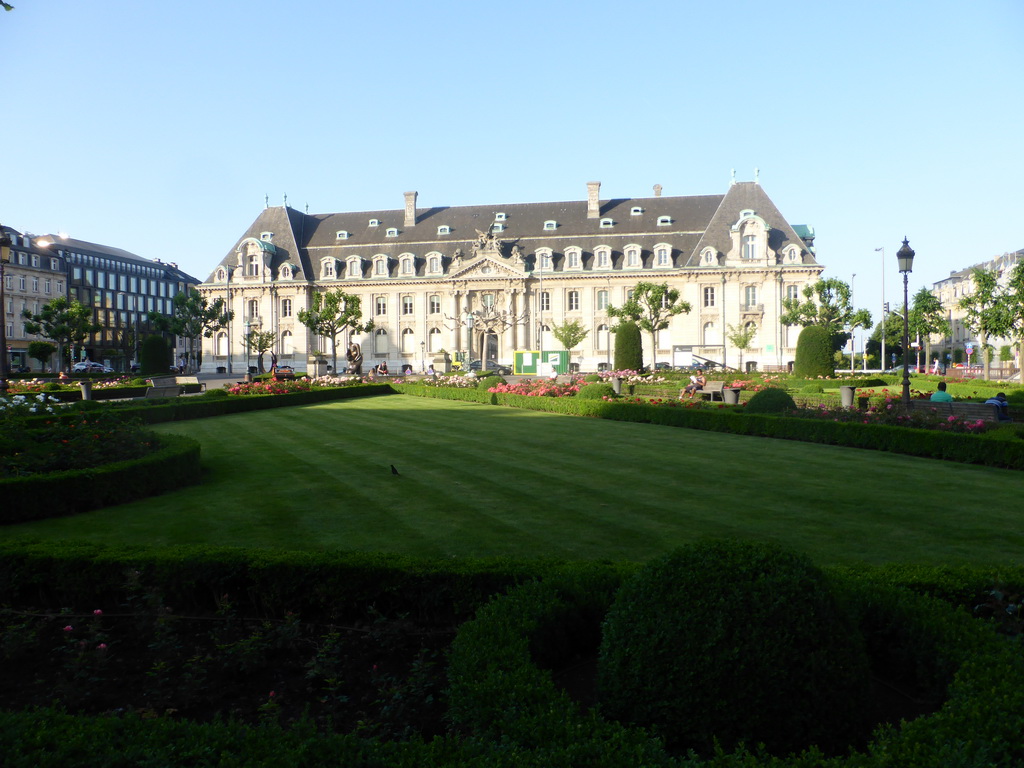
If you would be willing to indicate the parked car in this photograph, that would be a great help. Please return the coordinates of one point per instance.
(492, 367)
(283, 372)
(88, 366)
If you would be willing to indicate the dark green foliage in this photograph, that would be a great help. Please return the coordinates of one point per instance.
(814, 353)
(216, 394)
(491, 380)
(734, 642)
(590, 378)
(595, 391)
(628, 347)
(155, 356)
(771, 400)
(812, 387)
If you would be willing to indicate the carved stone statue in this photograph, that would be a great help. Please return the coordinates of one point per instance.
(517, 256)
(355, 359)
(457, 258)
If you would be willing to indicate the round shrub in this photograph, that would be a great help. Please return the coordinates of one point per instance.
(771, 400)
(733, 641)
(215, 394)
(140, 382)
(489, 381)
(590, 378)
(813, 387)
(814, 353)
(596, 391)
(52, 386)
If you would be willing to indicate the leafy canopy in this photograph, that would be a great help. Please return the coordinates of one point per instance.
(331, 313)
(827, 303)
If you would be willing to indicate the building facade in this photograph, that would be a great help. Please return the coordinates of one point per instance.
(32, 277)
(487, 281)
(951, 290)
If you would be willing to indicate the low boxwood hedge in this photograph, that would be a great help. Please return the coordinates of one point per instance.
(500, 691)
(173, 465)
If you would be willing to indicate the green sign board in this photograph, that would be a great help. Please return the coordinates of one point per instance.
(543, 363)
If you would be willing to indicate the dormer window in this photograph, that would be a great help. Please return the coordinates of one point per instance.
(664, 221)
(708, 258)
(266, 236)
(498, 227)
(380, 267)
(355, 267)
(749, 247)
(664, 255)
(327, 268)
(434, 263)
(544, 259)
(607, 223)
(633, 257)
(341, 235)
(374, 223)
(636, 210)
(407, 265)
(286, 272)
(573, 258)
(391, 232)
(222, 276)
(550, 226)
(499, 217)
(603, 257)
(444, 229)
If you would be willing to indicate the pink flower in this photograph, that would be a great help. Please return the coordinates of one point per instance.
(69, 628)
(97, 612)
(101, 647)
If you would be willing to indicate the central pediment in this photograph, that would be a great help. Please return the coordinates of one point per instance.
(487, 267)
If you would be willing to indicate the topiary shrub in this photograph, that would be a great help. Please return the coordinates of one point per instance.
(490, 381)
(771, 400)
(812, 387)
(814, 353)
(595, 391)
(215, 394)
(628, 347)
(731, 642)
(591, 377)
(155, 356)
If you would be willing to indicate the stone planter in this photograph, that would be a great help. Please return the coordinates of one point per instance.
(847, 395)
(731, 396)
(86, 389)
(616, 383)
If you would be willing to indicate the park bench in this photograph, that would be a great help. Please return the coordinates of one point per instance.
(983, 411)
(166, 391)
(713, 388)
(190, 381)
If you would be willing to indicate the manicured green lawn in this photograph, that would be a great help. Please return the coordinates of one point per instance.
(482, 481)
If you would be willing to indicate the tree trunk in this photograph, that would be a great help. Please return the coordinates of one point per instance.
(983, 343)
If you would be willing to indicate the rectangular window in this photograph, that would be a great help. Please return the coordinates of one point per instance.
(574, 301)
(792, 291)
(602, 300)
(435, 305)
(750, 295)
(709, 297)
(35, 285)
(407, 305)
(46, 285)
(545, 302)
(382, 305)
(750, 247)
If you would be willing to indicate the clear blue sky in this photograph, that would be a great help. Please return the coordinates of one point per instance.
(158, 127)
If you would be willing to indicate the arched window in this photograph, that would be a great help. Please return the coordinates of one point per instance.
(253, 306)
(633, 257)
(381, 305)
(435, 264)
(408, 341)
(434, 340)
(603, 256)
(544, 257)
(286, 307)
(752, 326)
(407, 265)
(287, 343)
(664, 257)
(572, 258)
(222, 344)
(380, 341)
(380, 267)
(602, 337)
(545, 337)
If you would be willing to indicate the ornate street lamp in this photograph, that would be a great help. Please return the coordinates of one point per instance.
(470, 321)
(905, 256)
(5, 255)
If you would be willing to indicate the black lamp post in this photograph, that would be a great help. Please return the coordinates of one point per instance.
(5, 255)
(905, 255)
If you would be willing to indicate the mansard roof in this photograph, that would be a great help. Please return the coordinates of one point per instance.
(693, 222)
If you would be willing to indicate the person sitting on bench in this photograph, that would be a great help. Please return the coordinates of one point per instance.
(696, 385)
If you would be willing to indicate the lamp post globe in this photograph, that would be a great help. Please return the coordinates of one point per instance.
(905, 258)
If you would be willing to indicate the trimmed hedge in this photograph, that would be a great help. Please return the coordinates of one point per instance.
(499, 690)
(55, 494)
(933, 444)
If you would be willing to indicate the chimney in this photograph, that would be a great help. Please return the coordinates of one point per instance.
(593, 199)
(657, 190)
(410, 208)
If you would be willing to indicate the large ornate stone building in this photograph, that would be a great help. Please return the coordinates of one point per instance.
(486, 281)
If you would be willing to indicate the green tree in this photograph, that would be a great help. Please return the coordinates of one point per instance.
(41, 351)
(985, 311)
(194, 317)
(651, 307)
(330, 314)
(570, 334)
(67, 323)
(741, 338)
(927, 316)
(259, 343)
(629, 354)
(827, 304)
(1012, 302)
(154, 356)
